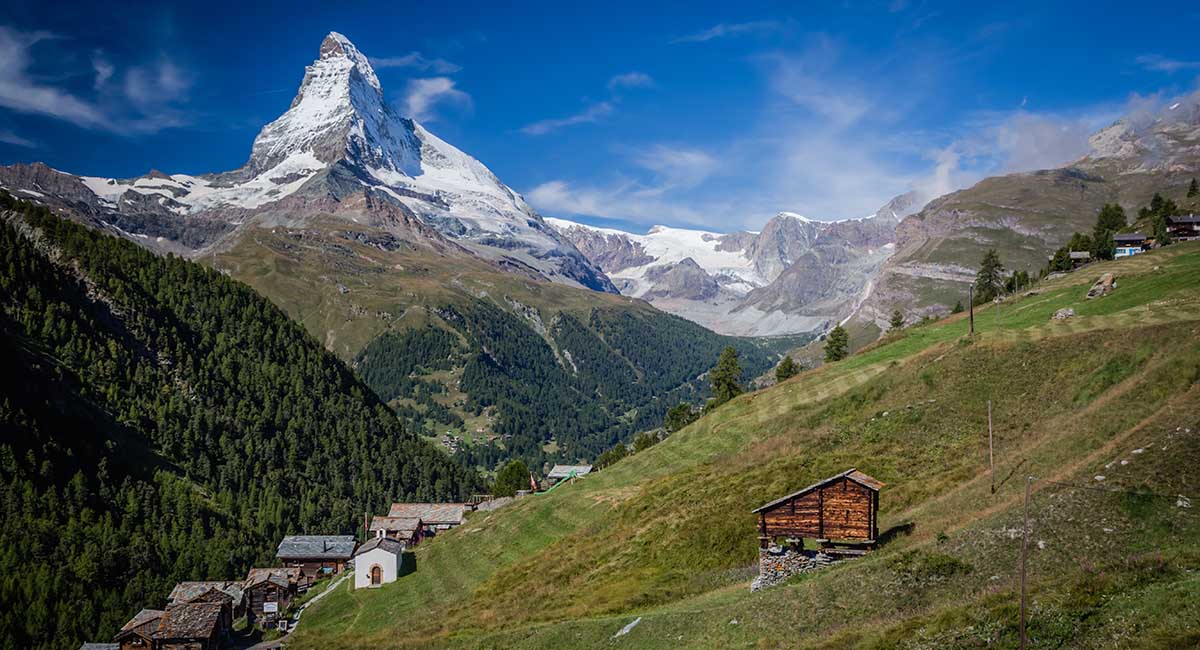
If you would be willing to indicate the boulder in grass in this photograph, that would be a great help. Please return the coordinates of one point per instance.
(1103, 286)
(1063, 314)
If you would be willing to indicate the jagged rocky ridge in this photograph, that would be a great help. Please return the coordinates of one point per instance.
(339, 149)
(796, 275)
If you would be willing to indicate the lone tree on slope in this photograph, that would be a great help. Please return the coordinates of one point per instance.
(989, 281)
(726, 378)
(514, 476)
(1108, 222)
(786, 369)
(1193, 189)
(837, 344)
(897, 320)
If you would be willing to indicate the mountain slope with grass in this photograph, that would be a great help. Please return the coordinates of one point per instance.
(1102, 408)
(162, 423)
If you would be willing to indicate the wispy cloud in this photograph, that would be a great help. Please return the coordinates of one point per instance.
(590, 114)
(722, 30)
(145, 102)
(424, 96)
(815, 81)
(1160, 63)
(8, 137)
(633, 79)
(417, 61)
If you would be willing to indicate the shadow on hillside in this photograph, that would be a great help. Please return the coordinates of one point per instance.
(408, 564)
(892, 533)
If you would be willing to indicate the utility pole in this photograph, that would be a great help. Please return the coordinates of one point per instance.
(991, 448)
(971, 306)
(1024, 558)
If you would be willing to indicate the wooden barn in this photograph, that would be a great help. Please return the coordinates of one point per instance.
(191, 626)
(408, 530)
(269, 593)
(842, 508)
(316, 555)
(138, 633)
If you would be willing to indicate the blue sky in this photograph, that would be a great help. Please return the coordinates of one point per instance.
(627, 114)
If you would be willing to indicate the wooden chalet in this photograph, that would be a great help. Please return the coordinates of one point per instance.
(842, 508)
(138, 632)
(434, 516)
(191, 626)
(406, 530)
(211, 591)
(269, 592)
(1184, 227)
(316, 555)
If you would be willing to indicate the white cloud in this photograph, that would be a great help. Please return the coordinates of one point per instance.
(424, 96)
(145, 103)
(20, 92)
(815, 80)
(721, 30)
(633, 79)
(677, 167)
(416, 61)
(8, 137)
(592, 113)
(1160, 63)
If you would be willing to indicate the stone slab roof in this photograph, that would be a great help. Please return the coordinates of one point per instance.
(189, 621)
(325, 547)
(185, 592)
(430, 514)
(386, 543)
(396, 524)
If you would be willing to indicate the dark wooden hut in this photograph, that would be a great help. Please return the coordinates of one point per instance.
(842, 508)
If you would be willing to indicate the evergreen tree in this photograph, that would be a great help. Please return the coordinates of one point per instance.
(897, 320)
(989, 280)
(786, 369)
(514, 476)
(837, 344)
(1161, 236)
(726, 378)
(958, 308)
(1193, 189)
(611, 456)
(679, 416)
(643, 442)
(1110, 220)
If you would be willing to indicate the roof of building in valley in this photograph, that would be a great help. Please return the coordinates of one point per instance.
(185, 592)
(386, 543)
(189, 621)
(396, 524)
(430, 514)
(141, 619)
(564, 471)
(329, 547)
(853, 474)
(279, 576)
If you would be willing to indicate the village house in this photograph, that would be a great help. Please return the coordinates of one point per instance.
(1079, 258)
(138, 632)
(316, 555)
(1130, 243)
(561, 473)
(1184, 228)
(201, 591)
(406, 530)
(842, 508)
(377, 562)
(191, 626)
(434, 516)
(269, 592)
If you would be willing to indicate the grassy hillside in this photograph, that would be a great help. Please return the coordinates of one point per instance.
(546, 371)
(667, 535)
(161, 423)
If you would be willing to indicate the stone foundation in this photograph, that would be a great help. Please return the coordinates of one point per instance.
(776, 564)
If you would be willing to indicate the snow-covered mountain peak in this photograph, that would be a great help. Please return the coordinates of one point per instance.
(336, 46)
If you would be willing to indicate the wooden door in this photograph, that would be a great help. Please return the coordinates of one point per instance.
(376, 575)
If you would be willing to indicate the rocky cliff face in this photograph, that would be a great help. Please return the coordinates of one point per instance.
(339, 149)
(796, 275)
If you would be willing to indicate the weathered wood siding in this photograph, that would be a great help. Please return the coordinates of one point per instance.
(841, 510)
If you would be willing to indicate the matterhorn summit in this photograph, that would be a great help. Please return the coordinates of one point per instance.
(340, 149)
